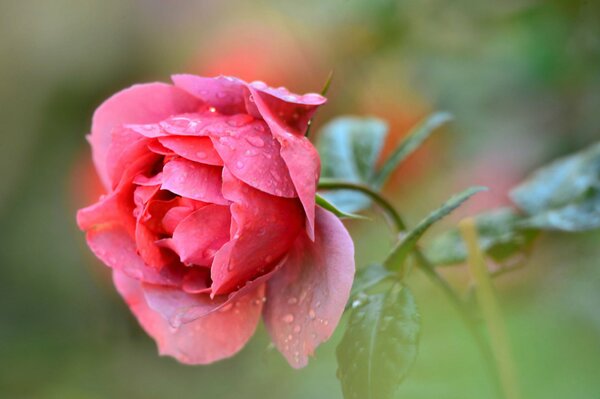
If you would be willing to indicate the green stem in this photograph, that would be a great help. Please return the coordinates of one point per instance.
(390, 211)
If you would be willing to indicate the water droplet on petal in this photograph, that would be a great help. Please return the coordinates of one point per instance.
(255, 141)
(292, 301)
(226, 308)
(312, 314)
(239, 164)
(297, 329)
(288, 318)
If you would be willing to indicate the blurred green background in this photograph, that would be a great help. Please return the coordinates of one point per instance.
(522, 78)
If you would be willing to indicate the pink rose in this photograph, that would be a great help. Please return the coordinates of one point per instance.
(209, 219)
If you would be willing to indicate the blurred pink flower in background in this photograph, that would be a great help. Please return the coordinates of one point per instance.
(269, 53)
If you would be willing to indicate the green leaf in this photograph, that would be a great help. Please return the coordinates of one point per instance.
(565, 195)
(412, 142)
(368, 277)
(349, 147)
(323, 203)
(407, 243)
(499, 236)
(380, 344)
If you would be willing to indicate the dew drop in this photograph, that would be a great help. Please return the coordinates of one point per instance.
(239, 164)
(288, 318)
(292, 301)
(226, 308)
(212, 109)
(256, 141)
(312, 314)
(297, 328)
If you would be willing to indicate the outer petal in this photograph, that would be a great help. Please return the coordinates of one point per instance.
(290, 111)
(147, 103)
(288, 121)
(214, 337)
(193, 180)
(115, 248)
(181, 307)
(224, 93)
(265, 228)
(306, 298)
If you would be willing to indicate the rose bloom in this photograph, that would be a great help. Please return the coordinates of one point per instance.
(209, 218)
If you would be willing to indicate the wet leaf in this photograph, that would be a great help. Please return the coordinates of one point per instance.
(349, 147)
(380, 344)
(412, 142)
(565, 195)
(407, 243)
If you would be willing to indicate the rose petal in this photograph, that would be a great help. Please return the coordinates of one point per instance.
(174, 216)
(289, 110)
(152, 254)
(266, 227)
(226, 94)
(299, 154)
(179, 307)
(306, 298)
(126, 146)
(116, 249)
(197, 149)
(193, 180)
(200, 235)
(214, 337)
(252, 155)
(147, 103)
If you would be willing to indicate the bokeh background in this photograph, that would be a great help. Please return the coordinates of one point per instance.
(522, 78)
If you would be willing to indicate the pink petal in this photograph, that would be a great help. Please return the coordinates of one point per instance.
(147, 103)
(214, 337)
(224, 93)
(125, 147)
(195, 124)
(266, 227)
(289, 110)
(200, 235)
(158, 148)
(299, 154)
(116, 249)
(252, 155)
(197, 149)
(306, 298)
(180, 307)
(193, 180)
(174, 216)
(152, 254)
(109, 209)
(142, 180)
